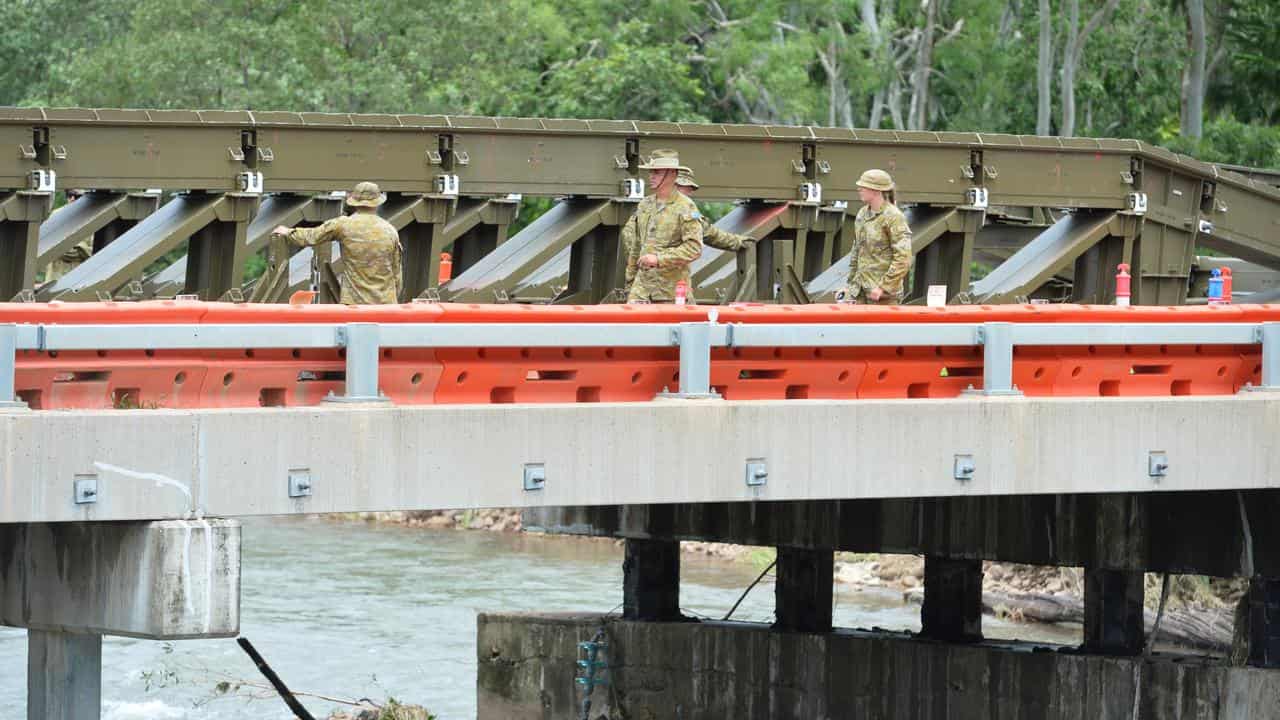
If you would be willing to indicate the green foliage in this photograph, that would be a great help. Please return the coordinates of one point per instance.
(776, 61)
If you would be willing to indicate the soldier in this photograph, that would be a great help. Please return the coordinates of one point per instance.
(663, 236)
(881, 245)
(371, 273)
(712, 236)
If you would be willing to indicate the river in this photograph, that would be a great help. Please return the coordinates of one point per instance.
(353, 610)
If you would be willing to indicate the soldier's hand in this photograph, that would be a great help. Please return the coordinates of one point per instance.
(281, 230)
(649, 261)
(875, 294)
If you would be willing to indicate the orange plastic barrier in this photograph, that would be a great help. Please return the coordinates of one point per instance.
(251, 377)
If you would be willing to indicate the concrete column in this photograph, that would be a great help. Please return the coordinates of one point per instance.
(64, 675)
(1263, 607)
(802, 594)
(952, 599)
(651, 580)
(1113, 612)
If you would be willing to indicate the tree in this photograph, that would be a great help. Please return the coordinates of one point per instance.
(1044, 70)
(1194, 76)
(1072, 51)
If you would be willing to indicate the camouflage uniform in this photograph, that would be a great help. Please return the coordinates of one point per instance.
(881, 254)
(371, 252)
(881, 246)
(69, 260)
(712, 236)
(672, 230)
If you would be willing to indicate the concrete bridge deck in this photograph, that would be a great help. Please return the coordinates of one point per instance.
(1060, 436)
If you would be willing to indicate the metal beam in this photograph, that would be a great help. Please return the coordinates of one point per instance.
(1054, 249)
(21, 214)
(536, 257)
(183, 217)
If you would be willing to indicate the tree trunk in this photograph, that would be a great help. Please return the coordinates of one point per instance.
(1194, 87)
(1200, 629)
(868, 13)
(919, 114)
(1072, 52)
(1044, 68)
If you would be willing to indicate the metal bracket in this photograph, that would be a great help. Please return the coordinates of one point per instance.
(620, 162)
(434, 158)
(1158, 464)
(535, 476)
(299, 482)
(1136, 203)
(977, 198)
(461, 157)
(633, 189)
(811, 192)
(963, 468)
(250, 183)
(237, 154)
(447, 185)
(824, 167)
(27, 152)
(757, 472)
(86, 489)
(266, 155)
(966, 171)
(991, 171)
(42, 181)
(797, 167)
(59, 152)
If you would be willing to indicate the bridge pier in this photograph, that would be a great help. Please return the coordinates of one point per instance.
(64, 675)
(1113, 612)
(651, 580)
(952, 610)
(802, 594)
(1262, 620)
(71, 583)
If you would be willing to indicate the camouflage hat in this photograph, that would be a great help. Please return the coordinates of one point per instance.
(876, 180)
(366, 194)
(685, 178)
(663, 160)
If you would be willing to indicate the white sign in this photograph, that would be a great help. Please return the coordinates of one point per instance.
(937, 295)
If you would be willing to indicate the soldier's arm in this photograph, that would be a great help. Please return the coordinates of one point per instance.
(316, 235)
(713, 236)
(629, 249)
(690, 246)
(900, 245)
(853, 254)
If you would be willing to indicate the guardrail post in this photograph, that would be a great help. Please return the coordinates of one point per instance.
(997, 359)
(695, 361)
(1270, 332)
(361, 343)
(9, 367)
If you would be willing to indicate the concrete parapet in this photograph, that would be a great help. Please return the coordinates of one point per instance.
(746, 671)
(162, 580)
(229, 463)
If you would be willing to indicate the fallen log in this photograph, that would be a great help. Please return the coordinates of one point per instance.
(1208, 630)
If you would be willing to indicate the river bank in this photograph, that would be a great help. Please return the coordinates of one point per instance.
(1198, 609)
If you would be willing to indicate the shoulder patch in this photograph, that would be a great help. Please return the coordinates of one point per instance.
(695, 215)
